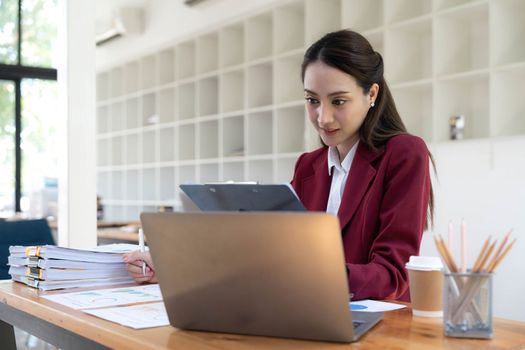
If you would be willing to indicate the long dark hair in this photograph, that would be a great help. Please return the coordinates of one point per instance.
(350, 52)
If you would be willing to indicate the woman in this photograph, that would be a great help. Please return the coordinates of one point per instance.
(369, 172)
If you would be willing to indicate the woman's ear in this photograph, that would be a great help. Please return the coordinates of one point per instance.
(373, 92)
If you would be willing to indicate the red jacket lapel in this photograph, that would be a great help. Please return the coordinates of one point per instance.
(316, 187)
(361, 174)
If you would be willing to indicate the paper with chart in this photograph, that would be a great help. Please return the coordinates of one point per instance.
(135, 316)
(374, 306)
(108, 297)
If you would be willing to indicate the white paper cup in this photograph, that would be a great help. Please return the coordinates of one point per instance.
(425, 275)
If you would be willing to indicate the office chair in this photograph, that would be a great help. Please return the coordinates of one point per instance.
(21, 232)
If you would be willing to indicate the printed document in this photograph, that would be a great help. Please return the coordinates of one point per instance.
(107, 297)
(135, 316)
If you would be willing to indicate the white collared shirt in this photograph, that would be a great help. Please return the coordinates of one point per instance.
(340, 175)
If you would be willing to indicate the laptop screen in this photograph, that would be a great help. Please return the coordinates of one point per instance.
(243, 197)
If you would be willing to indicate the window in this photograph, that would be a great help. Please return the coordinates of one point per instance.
(8, 31)
(28, 99)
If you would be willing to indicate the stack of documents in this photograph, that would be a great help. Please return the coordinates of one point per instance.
(50, 267)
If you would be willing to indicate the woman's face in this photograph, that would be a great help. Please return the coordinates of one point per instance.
(336, 105)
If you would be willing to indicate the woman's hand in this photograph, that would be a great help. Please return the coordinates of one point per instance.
(134, 262)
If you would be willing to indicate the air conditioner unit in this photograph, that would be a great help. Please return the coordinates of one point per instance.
(127, 20)
(193, 2)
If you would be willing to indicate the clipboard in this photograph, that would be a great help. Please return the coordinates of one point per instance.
(243, 197)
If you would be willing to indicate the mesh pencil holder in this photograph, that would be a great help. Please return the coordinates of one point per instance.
(467, 302)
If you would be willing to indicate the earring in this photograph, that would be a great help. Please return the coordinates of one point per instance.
(372, 104)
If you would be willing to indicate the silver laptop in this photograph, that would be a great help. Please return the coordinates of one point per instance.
(278, 274)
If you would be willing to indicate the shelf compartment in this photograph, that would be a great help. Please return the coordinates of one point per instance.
(131, 77)
(167, 145)
(148, 72)
(166, 66)
(207, 53)
(167, 103)
(414, 105)
(116, 150)
(104, 185)
(507, 31)
(103, 152)
(187, 175)
(149, 149)
(149, 184)
(187, 142)
(233, 171)
(167, 184)
(132, 185)
(321, 17)
(116, 82)
(461, 40)
(131, 213)
(402, 10)
(113, 212)
(362, 15)
(259, 85)
(468, 96)
(231, 48)
(311, 139)
(150, 209)
(377, 40)
(185, 64)
(289, 24)
(209, 139)
(409, 49)
(103, 119)
(117, 116)
(132, 149)
(208, 96)
(508, 103)
(232, 91)
(258, 38)
(209, 173)
(102, 86)
(149, 110)
(132, 113)
(260, 171)
(260, 134)
(290, 128)
(233, 137)
(117, 186)
(186, 101)
(288, 86)
(284, 168)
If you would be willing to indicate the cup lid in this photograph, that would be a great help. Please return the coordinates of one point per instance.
(424, 263)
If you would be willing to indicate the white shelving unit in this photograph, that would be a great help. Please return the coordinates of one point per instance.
(259, 133)
(228, 104)
(231, 48)
(259, 35)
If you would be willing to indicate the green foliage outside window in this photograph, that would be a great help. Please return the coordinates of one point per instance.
(8, 31)
(39, 33)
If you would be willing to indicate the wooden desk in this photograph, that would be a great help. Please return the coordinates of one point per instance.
(71, 329)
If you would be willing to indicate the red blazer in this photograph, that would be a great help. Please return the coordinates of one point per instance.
(382, 214)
